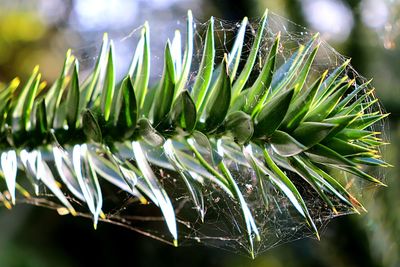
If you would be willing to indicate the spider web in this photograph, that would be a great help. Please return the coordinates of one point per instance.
(223, 226)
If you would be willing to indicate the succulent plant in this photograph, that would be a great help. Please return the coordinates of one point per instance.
(289, 127)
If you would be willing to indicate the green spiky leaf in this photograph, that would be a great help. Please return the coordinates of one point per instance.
(165, 92)
(72, 101)
(184, 112)
(272, 114)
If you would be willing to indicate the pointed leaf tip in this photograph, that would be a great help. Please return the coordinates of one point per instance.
(109, 83)
(73, 98)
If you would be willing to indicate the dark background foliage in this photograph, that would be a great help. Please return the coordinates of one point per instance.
(38, 32)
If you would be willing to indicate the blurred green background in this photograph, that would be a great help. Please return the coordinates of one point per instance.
(39, 32)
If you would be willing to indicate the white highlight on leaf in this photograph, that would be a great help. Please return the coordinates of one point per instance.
(26, 161)
(64, 169)
(113, 174)
(250, 223)
(38, 168)
(9, 166)
(195, 192)
(88, 181)
(163, 200)
(176, 50)
(249, 153)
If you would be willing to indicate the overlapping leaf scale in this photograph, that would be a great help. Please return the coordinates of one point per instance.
(288, 121)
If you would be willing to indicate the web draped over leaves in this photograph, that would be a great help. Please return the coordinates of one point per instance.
(257, 133)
